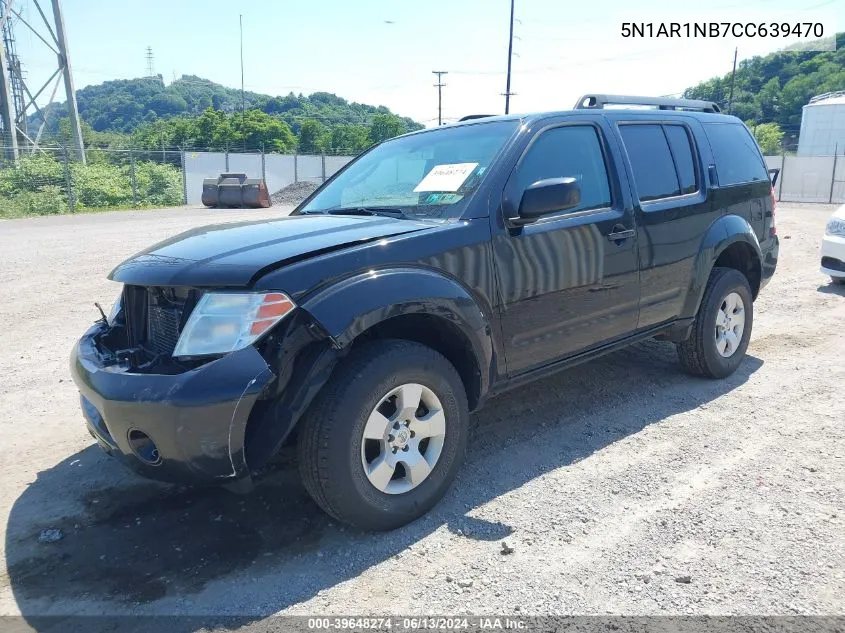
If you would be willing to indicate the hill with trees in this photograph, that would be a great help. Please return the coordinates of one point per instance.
(770, 90)
(196, 112)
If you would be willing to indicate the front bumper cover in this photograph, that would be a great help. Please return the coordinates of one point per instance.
(196, 419)
(833, 256)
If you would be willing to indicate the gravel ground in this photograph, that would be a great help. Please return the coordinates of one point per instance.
(294, 194)
(621, 487)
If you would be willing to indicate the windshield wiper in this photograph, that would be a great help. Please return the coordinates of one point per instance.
(385, 211)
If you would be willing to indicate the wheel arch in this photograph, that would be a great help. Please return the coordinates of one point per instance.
(413, 304)
(439, 334)
(729, 242)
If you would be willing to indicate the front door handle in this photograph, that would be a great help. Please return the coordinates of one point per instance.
(621, 236)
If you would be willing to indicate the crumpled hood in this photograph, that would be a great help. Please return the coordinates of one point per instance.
(237, 254)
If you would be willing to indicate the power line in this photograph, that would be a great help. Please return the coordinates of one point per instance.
(439, 85)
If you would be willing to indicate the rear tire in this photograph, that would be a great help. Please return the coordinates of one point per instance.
(840, 281)
(365, 453)
(719, 338)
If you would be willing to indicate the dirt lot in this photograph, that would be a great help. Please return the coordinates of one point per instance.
(623, 486)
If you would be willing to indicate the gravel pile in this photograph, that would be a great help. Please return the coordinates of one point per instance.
(294, 193)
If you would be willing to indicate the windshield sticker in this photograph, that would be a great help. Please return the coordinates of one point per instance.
(442, 198)
(446, 177)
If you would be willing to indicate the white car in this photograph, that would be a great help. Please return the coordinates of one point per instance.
(833, 247)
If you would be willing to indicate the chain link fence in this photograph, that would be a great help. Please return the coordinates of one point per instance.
(810, 178)
(49, 181)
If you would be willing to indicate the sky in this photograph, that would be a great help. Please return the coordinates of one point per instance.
(383, 52)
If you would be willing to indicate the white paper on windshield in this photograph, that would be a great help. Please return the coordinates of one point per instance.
(446, 177)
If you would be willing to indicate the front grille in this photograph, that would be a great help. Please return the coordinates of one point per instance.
(163, 324)
(831, 263)
(155, 317)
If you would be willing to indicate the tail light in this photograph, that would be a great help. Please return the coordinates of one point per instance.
(773, 229)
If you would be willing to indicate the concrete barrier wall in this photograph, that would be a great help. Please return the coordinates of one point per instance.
(809, 178)
(279, 170)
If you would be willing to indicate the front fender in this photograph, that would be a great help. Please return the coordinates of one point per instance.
(356, 304)
(727, 230)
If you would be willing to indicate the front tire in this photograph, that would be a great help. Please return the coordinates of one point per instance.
(838, 280)
(722, 329)
(385, 438)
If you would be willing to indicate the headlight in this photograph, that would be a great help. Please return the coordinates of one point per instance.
(223, 322)
(835, 227)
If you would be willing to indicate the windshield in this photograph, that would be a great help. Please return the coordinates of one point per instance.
(422, 175)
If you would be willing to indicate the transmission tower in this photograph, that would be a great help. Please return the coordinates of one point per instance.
(17, 96)
(151, 69)
(15, 76)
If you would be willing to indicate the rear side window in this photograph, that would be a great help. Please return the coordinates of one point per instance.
(651, 161)
(679, 142)
(737, 157)
(569, 151)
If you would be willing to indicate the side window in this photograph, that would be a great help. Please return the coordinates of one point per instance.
(737, 157)
(679, 142)
(570, 151)
(651, 161)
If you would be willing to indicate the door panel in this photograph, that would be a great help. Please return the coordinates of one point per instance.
(564, 285)
(673, 212)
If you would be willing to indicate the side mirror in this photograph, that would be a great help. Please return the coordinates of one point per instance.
(548, 196)
(773, 176)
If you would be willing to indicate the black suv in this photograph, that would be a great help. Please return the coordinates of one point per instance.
(434, 271)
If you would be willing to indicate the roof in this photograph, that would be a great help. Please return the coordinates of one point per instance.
(534, 116)
(828, 98)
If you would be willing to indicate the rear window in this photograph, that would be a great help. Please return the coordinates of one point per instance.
(679, 141)
(737, 158)
(651, 161)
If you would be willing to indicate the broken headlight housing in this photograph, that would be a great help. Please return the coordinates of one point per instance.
(223, 322)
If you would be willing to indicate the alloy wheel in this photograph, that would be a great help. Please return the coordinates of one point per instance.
(403, 438)
(730, 324)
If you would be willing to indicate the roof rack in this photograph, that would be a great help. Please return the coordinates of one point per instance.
(470, 117)
(588, 102)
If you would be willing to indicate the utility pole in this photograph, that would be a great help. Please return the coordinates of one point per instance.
(64, 64)
(439, 85)
(243, 97)
(510, 57)
(7, 114)
(733, 75)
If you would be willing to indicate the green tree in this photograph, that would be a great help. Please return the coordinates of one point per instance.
(263, 130)
(349, 139)
(774, 88)
(313, 137)
(385, 126)
(768, 98)
(769, 136)
(126, 105)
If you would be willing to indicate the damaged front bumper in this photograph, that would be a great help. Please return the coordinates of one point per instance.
(186, 428)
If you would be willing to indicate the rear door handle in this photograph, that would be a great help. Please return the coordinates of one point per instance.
(619, 236)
